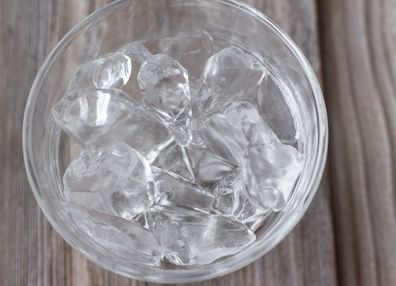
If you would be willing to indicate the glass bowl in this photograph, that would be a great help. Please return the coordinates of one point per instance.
(47, 150)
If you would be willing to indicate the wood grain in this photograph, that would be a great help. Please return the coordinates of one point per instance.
(347, 237)
(358, 51)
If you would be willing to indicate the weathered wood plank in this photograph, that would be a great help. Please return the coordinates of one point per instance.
(358, 46)
(33, 254)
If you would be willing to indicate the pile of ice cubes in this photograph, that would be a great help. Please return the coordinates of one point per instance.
(176, 165)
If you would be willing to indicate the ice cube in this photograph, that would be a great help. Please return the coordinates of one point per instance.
(195, 238)
(164, 84)
(228, 74)
(245, 116)
(181, 129)
(132, 198)
(191, 50)
(222, 138)
(88, 114)
(102, 116)
(118, 236)
(136, 51)
(141, 132)
(153, 154)
(111, 71)
(97, 169)
(231, 199)
(273, 103)
(177, 191)
(172, 159)
(138, 54)
(228, 132)
(208, 168)
(117, 175)
(250, 214)
(227, 194)
(91, 200)
(271, 171)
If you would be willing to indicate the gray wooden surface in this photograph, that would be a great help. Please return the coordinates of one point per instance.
(348, 235)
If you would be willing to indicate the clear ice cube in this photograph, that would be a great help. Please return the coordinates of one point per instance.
(138, 53)
(245, 117)
(227, 133)
(118, 236)
(228, 74)
(93, 200)
(163, 82)
(208, 168)
(181, 129)
(132, 198)
(88, 114)
(102, 116)
(111, 71)
(222, 138)
(250, 214)
(96, 170)
(141, 133)
(195, 238)
(153, 154)
(117, 175)
(274, 103)
(271, 171)
(231, 199)
(172, 159)
(178, 191)
(227, 194)
(191, 50)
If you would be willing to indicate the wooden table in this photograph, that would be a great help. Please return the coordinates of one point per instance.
(347, 237)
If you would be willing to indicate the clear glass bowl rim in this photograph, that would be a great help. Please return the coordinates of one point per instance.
(203, 272)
